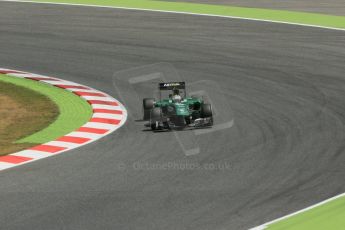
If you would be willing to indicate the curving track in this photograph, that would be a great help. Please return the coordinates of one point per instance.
(286, 86)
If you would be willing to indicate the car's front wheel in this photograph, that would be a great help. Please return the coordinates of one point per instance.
(155, 117)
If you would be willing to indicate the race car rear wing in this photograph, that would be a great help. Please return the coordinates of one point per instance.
(172, 85)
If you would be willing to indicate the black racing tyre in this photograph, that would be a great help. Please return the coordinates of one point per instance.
(153, 126)
(148, 104)
(155, 114)
(206, 111)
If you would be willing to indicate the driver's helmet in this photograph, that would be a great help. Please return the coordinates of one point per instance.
(176, 96)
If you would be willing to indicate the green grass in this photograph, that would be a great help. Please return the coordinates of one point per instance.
(330, 216)
(73, 111)
(23, 112)
(254, 13)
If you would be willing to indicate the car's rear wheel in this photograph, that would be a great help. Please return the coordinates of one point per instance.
(206, 111)
(148, 104)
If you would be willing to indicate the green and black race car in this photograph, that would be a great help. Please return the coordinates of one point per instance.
(176, 111)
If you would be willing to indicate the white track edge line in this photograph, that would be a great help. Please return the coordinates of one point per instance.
(265, 225)
(179, 12)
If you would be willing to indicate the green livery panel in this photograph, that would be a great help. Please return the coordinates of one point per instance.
(186, 107)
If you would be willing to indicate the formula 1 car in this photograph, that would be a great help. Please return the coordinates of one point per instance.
(176, 111)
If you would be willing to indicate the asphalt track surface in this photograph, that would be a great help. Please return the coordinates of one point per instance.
(285, 85)
(333, 7)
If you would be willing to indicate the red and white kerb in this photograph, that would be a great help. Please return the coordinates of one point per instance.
(108, 115)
